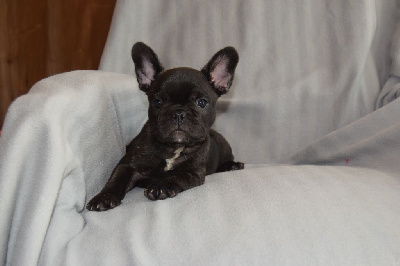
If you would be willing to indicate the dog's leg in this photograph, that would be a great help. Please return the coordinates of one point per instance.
(121, 181)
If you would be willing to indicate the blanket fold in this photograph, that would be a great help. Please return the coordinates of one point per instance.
(65, 127)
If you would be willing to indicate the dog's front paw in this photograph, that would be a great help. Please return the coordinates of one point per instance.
(162, 189)
(103, 202)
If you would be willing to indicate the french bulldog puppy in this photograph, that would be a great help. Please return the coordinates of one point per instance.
(176, 148)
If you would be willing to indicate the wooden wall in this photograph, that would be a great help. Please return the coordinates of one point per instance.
(39, 38)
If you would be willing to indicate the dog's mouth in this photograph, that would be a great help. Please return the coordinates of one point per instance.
(181, 137)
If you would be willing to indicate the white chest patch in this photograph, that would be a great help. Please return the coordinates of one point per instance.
(170, 161)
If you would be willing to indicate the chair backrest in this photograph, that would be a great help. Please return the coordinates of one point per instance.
(306, 67)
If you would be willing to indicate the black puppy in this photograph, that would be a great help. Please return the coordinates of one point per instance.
(176, 148)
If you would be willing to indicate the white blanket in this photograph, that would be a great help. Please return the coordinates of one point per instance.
(310, 78)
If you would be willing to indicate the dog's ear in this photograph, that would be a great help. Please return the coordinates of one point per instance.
(221, 68)
(147, 65)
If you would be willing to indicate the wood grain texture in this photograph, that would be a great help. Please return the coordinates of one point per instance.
(40, 38)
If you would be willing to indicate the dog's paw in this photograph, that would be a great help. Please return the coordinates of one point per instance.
(230, 166)
(103, 202)
(237, 166)
(162, 189)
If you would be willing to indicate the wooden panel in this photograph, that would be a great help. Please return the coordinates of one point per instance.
(40, 38)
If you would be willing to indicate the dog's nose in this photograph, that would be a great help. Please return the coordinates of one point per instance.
(179, 116)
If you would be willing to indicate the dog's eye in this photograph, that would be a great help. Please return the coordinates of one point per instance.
(202, 103)
(157, 103)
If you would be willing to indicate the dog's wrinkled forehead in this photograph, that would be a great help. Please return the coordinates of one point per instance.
(182, 83)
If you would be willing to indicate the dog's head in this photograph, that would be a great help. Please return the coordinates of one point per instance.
(182, 100)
